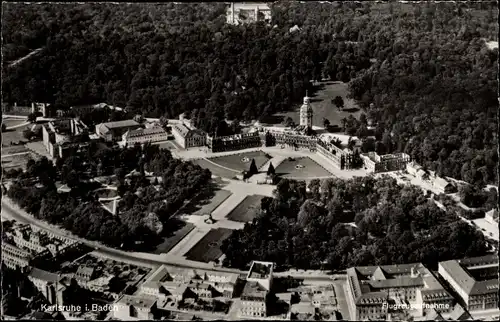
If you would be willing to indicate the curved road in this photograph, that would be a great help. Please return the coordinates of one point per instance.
(11, 211)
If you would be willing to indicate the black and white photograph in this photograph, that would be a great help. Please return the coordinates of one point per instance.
(225, 161)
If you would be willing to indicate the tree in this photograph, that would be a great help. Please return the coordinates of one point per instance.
(4, 127)
(344, 123)
(326, 123)
(28, 134)
(288, 122)
(271, 170)
(253, 168)
(338, 101)
(32, 118)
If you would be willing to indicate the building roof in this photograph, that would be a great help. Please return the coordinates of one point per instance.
(459, 314)
(109, 126)
(143, 301)
(181, 128)
(303, 308)
(43, 275)
(457, 269)
(142, 132)
(255, 290)
(85, 270)
(441, 182)
(260, 270)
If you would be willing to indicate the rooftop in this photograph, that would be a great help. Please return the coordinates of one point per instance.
(43, 275)
(254, 290)
(260, 270)
(143, 301)
(142, 132)
(458, 271)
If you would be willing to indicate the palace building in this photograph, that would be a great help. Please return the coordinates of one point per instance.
(341, 158)
(234, 142)
(113, 131)
(187, 137)
(62, 137)
(141, 136)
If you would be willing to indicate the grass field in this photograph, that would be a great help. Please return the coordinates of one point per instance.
(216, 170)
(208, 248)
(323, 107)
(235, 161)
(17, 161)
(13, 136)
(207, 204)
(12, 122)
(170, 242)
(12, 149)
(246, 210)
(311, 169)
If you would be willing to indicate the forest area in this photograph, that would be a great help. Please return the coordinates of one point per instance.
(146, 207)
(393, 225)
(421, 72)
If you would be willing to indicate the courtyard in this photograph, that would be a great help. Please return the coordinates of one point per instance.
(301, 168)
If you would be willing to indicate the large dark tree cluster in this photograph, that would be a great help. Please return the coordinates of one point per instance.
(421, 72)
(146, 207)
(338, 224)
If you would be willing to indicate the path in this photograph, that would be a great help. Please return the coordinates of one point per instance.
(14, 154)
(18, 126)
(188, 242)
(20, 60)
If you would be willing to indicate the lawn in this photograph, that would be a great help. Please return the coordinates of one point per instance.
(12, 122)
(323, 107)
(12, 149)
(208, 248)
(216, 170)
(13, 136)
(17, 161)
(170, 242)
(207, 204)
(237, 162)
(246, 210)
(287, 169)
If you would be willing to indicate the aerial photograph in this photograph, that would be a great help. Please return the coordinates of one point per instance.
(287, 160)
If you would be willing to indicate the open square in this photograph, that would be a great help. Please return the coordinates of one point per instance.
(301, 168)
(247, 210)
(208, 248)
(241, 161)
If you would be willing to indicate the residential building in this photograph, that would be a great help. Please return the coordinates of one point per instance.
(253, 300)
(52, 286)
(341, 158)
(188, 138)
(176, 282)
(372, 289)
(413, 168)
(15, 257)
(241, 12)
(234, 142)
(141, 136)
(443, 185)
(113, 131)
(84, 274)
(63, 137)
(133, 308)
(287, 138)
(384, 163)
(474, 279)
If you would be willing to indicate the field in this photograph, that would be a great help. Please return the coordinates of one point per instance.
(246, 210)
(13, 149)
(17, 161)
(311, 169)
(323, 107)
(170, 242)
(208, 248)
(12, 122)
(207, 204)
(236, 163)
(216, 170)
